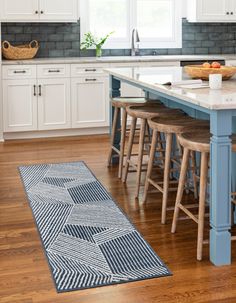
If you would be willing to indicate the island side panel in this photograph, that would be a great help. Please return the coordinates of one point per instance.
(220, 205)
(115, 92)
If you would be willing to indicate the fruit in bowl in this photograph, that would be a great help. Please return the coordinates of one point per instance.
(203, 71)
(214, 64)
(206, 65)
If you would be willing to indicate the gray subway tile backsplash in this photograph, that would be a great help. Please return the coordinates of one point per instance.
(63, 39)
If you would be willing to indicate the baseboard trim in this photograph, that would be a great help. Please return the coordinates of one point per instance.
(56, 133)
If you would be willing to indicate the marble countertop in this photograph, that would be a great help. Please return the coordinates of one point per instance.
(152, 77)
(119, 59)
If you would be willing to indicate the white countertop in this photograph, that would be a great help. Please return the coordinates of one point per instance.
(119, 59)
(151, 78)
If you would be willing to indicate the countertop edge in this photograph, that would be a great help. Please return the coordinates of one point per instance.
(120, 59)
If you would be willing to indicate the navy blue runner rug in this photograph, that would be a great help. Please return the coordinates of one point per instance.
(88, 240)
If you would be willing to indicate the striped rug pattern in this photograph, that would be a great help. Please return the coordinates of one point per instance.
(88, 240)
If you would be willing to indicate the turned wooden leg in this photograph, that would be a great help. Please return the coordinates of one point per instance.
(160, 147)
(202, 200)
(122, 142)
(113, 134)
(140, 155)
(181, 186)
(129, 150)
(194, 172)
(150, 163)
(169, 140)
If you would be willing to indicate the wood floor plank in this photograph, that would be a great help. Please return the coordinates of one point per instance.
(24, 273)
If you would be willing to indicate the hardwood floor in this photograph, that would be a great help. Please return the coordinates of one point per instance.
(24, 273)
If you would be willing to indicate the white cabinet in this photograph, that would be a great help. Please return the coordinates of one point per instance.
(54, 104)
(19, 105)
(19, 10)
(36, 98)
(212, 10)
(58, 10)
(90, 101)
(39, 10)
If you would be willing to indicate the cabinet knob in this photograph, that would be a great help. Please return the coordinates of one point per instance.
(231, 13)
(36, 12)
(227, 13)
(42, 12)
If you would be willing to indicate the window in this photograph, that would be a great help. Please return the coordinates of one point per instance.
(159, 22)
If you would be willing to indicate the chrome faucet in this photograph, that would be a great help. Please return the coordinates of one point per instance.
(135, 43)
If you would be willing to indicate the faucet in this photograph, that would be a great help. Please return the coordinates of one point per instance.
(135, 43)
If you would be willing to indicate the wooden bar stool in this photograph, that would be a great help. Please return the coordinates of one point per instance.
(120, 104)
(197, 142)
(169, 127)
(143, 113)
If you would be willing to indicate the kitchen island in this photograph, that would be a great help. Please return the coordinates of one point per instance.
(219, 106)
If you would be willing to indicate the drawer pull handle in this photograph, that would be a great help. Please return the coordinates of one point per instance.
(54, 71)
(19, 71)
(40, 90)
(90, 70)
(87, 80)
(35, 94)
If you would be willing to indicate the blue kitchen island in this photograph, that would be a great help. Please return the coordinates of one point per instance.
(219, 106)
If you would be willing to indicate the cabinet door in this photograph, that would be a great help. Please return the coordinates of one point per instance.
(19, 10)
(90, 102)
(59, 10)
(213, 10)
(19, 105)
(54, 104)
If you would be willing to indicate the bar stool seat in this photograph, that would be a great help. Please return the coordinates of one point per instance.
(169, 127)
(199, 142)
(143, 113)
(123, 102)
(177, 125)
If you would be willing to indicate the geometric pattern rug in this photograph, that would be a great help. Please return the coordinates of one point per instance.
(88, 240)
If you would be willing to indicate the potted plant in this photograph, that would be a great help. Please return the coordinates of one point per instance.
(90, 40)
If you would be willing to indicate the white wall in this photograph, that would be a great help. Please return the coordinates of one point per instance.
(184, 5)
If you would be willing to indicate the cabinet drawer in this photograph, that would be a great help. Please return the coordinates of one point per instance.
(53, 71)
(19, 72)
(90, 69)
(92, 79)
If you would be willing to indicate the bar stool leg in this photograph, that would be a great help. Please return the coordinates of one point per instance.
(130, 145)
(202, 199)
(122, 142)
(150, 163)
(113, 134)
(169, 140)
(182, 179)
(194, 171)
(140, 155)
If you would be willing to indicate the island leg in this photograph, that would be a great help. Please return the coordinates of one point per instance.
(220, 206)
(115, 92)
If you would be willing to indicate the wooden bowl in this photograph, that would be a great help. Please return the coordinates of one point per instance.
(199, 72)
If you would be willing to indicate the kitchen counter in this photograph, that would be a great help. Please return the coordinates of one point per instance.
(220, 107)
(120, 59)
(151, 77)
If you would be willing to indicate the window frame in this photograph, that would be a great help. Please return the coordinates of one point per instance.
(146, 43)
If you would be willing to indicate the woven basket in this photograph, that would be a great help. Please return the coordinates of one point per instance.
(21, 51)
(199, 72)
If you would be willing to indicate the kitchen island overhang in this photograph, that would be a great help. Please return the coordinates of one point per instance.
(220, 108)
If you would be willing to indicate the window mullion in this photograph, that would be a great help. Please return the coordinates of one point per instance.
(133, 14)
